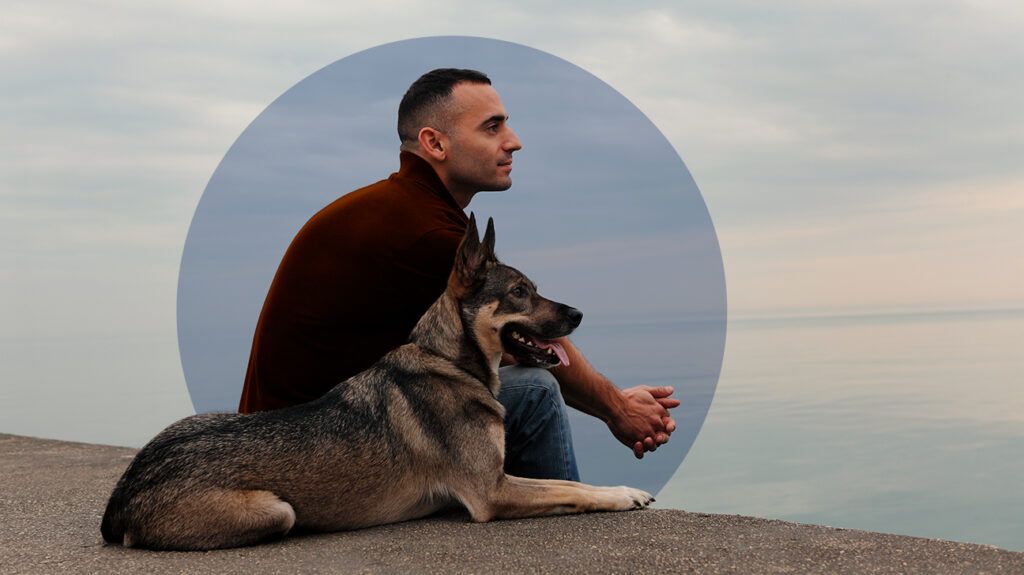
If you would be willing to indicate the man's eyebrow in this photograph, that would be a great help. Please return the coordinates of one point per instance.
(495, 118)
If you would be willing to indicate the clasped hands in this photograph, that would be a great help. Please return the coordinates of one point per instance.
(643, 422)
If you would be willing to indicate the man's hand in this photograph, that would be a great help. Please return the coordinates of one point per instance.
(644, 423)
(638, 416)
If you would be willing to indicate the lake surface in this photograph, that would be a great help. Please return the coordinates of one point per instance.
(910, 424)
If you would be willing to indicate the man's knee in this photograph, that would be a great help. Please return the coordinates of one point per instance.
(531, 394)
(530, 380)
(538, 435)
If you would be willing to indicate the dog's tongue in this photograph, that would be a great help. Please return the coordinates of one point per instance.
(557, 347)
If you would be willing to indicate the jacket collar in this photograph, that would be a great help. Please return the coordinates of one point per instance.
(419, 171)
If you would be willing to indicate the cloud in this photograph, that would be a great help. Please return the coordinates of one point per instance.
(933, 246)
(795, 116)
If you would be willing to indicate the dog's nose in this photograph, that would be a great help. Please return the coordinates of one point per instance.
(575, 316)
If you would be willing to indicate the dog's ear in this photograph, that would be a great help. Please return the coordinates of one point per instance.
(487, 248)
(469, 259)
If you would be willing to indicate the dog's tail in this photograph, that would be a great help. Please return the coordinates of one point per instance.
(112, 526)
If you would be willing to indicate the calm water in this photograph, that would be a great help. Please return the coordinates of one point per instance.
(910, 424)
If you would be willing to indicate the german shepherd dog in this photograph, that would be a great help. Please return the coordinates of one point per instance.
(417, 431)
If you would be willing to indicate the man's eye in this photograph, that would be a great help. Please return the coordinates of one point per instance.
(493, 128)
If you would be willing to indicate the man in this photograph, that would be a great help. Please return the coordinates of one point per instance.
(363, 270)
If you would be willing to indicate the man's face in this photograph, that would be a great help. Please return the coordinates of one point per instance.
(481, 145)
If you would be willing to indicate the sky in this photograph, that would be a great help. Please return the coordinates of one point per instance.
(619, 232)
(852, 157)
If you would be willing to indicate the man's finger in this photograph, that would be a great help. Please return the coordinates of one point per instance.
(638, 450)
(670, 424)
(659, 392)
(668, 402)
(661, 438)
(649, 444)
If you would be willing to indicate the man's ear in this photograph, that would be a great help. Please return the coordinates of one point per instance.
(433, 143)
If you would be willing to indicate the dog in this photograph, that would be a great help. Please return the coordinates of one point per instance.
(418, 431)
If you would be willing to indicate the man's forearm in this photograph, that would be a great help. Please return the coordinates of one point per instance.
(584, 388)
(638, 417)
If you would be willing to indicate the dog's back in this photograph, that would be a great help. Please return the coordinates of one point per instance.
(371, 451)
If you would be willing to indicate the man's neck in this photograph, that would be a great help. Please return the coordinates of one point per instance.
(461, 196)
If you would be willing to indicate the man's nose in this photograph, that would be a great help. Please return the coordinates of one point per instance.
(512, 143)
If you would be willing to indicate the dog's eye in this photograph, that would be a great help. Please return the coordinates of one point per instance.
(518, 291)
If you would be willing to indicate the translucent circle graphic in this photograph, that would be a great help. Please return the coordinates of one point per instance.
(603, 215)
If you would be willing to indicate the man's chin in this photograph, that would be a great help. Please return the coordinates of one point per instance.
(501, 185)
(496, 185)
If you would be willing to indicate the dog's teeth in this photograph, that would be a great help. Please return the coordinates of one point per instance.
(516, 336)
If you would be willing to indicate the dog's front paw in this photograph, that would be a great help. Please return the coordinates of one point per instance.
(637, 499)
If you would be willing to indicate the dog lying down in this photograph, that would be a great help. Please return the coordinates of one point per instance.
(417, 431)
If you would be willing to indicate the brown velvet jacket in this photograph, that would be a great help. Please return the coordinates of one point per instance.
(353, 283)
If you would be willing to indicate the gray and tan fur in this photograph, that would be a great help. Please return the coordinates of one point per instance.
(417, 431)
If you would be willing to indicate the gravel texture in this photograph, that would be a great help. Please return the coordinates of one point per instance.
(53, 494)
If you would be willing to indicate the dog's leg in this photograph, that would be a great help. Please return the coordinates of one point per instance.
(515, 497)
(576, 484)
(525, 497)
(213, 519)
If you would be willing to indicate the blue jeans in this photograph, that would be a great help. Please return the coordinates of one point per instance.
(538, 441)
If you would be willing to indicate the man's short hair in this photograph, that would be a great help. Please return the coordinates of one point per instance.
(424, 103)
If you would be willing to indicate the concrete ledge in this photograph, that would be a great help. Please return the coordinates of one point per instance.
(53, 495)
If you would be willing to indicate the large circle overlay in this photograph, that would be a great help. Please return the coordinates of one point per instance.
(602, 214)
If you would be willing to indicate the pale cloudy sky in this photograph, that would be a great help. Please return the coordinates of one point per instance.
(852, 155)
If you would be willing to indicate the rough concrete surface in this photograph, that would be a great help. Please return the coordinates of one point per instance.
(52, 495)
